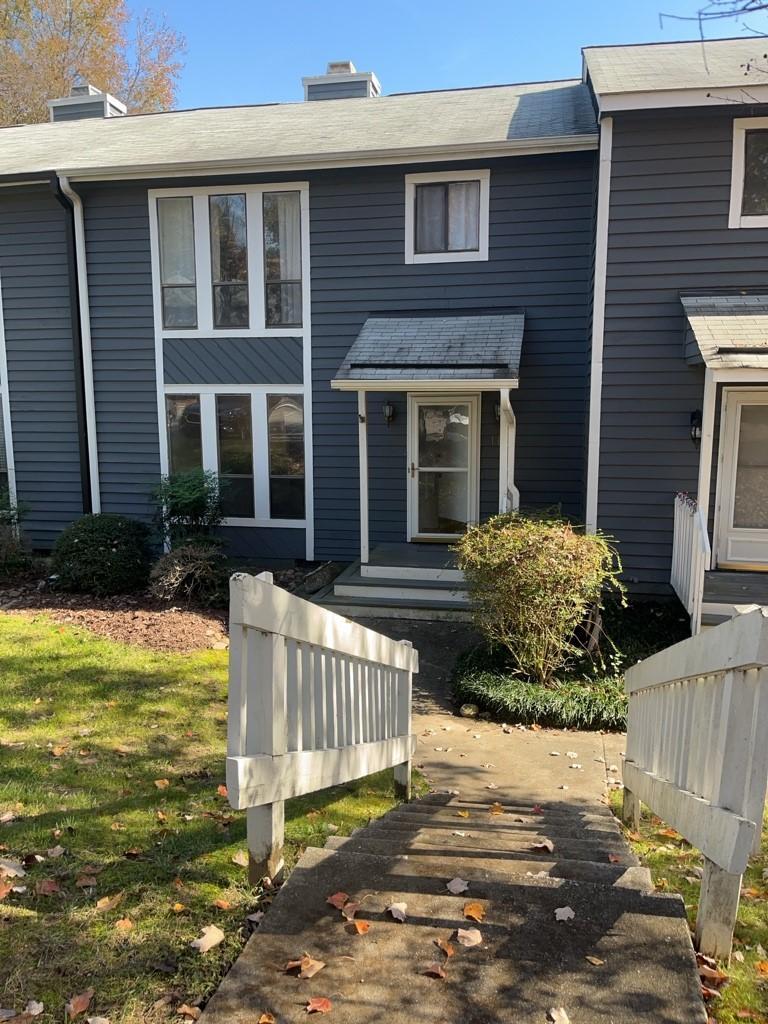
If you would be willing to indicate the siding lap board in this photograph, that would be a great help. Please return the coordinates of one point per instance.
(271, 360)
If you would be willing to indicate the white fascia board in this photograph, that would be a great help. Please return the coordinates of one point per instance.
(663, 99)
(424, 385)
(369, 158)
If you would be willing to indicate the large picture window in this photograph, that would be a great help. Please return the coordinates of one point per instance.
(446, 216)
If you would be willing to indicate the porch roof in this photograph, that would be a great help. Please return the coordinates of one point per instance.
(402, 353)
(727, 331)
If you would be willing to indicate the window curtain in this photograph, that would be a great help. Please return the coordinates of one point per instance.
(463, 215)
(177, 241)
(289, 231)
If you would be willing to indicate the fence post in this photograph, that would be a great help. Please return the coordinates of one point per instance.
(718, 907)
(630, 810)
(404, 689)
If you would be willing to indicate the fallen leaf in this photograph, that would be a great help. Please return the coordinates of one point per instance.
(109, 902)
(434, 971)
(178, 908)
(241, 859)
(56, 851)
(47, 887)
(557, 1015)
(222, 790)
(709, 993)
(33, 1008)
(398, 911)
(762, 967)
(79, 1004)
(359, 927)
(537, 809)
(545, 845)
(456, 886)
(134, 853)
(266, 1018)
(162, 783)
(349, 910)
(306, 966)
(125, 924)
(496, 808)
(211, 937)
(86, 881)
(468, 937)
(97, 1020)
(5, 889)
(738, 956)
(474, 911)
(614, 858)
(185, 1010)
(445, 946)
(564, 914)
(712, 974)
(462, 814)
(59, 750)
(11, 869)
(222, 904)
(117, 826)
(491, 785)
(595, 961)
(318, 1004)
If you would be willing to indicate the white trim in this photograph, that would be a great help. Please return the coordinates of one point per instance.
(306, 319)
(367, 158)
(424, 386)
(5, 397)
(598, 323)
(410, 572)
(509, 495)
(472, 470)
(663, 99)
(483, 177)
(362, 438)
(705, 449)
(741, 125)
(742, 375)
(85, 337)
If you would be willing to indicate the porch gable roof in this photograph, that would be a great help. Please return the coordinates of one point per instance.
(727, 331)
(402, 352)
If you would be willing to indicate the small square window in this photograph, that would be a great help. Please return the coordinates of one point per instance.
(446, 216)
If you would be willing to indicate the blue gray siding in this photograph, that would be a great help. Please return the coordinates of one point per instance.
(233, 360)
(41, 369)
(540, 247)
(668, 234)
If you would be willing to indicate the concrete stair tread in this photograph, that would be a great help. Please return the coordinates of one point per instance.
(352, 577)
(550, 809)
(527, 962)
(392, 607)
(507, 823)
(515, 839)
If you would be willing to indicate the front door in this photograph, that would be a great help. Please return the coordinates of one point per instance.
(742, 532)
(443, 456)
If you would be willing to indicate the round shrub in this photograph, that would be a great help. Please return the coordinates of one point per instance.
(102, 554)
(532, 582)
(191, 572)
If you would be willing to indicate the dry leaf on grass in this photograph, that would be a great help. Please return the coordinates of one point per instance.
(97, 1020)
(708, 993)
(712, 974)
(109, 902)
(125, 924)
(222, 904)
(162, 783)
(456, 886)
(179, 908)
(306, 966)
(434, 970)
(474, 911)
(5, 888)
(211, 937)
(543, 846)
(318, 1004)
(11, 869)
(557, 1015)
(47, 887)
(191, 1012)
(117, 826)
(79, 1004)
(595, 961)
(241, 859)
(266, 1018)
(86, 881)
(564, 914)
(468, 937)
(56, 851)
(222, 791)
(398, 911)
(762, 967)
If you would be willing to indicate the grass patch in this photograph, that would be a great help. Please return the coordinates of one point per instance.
(87, 727)
(589, 693)
(674, 865)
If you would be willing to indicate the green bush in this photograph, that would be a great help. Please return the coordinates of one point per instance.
(102, 554)
(191, 572)
(14, 557)
(532, 584)
(189, 505)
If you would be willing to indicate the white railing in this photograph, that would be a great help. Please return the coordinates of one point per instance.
(697, 755)
(315, 700)
(691, 555)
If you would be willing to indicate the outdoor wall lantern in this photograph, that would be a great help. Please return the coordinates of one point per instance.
(388, 410)
(696, 427)
(497, 411)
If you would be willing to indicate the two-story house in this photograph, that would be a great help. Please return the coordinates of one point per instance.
(381, 317)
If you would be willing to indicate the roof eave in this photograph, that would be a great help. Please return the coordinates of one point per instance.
(432, 385)
(317, 161)
(661, 99)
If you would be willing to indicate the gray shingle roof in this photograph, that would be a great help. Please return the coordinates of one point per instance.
(499, 117)
(711, 63)
(727, 330)
(476, 348)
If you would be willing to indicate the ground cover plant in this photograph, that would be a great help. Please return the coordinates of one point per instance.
(676, 867)
(112, 768)
(589, 693)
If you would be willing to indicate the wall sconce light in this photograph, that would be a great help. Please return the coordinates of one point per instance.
(497, 411)
(388, 411)
(696, 427)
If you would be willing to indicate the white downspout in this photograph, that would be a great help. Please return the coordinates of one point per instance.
(509, 495)
(85, 334)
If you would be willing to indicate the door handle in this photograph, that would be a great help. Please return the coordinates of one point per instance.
(413, 470)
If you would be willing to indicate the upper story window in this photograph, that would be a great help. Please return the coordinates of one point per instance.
(446, 216)
(229, 260)
(749, 173)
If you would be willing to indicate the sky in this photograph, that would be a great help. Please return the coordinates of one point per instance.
(256, 51)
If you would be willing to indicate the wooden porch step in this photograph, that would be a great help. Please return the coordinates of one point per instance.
(729, 587)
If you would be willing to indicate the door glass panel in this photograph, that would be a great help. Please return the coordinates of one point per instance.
(443, 500)
(235, 439)
(444, 436)
(750, 503)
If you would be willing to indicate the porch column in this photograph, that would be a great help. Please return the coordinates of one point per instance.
(362, 434)
(509, 496)
(707, 444)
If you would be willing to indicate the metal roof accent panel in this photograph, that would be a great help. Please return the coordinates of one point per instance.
(727, 331)
(443, 348)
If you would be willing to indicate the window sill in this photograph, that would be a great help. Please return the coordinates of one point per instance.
(273, 524)
(234, 332)
(447, 257)
(741, 221)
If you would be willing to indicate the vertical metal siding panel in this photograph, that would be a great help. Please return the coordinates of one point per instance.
(540, 260)
(668, 234)
(41, 373)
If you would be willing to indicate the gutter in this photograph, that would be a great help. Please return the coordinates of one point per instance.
(81, 324)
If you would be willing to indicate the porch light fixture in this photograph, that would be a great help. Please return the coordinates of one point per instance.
(497, 411)
(388, 411)
(696, 427)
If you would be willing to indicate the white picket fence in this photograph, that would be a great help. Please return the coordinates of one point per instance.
(697, 755)
(315, 700)
(691, 556)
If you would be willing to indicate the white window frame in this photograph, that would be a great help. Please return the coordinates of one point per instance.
(437, 178)
(741, 125)
(260, 439)
(257, 327)
(5, 402)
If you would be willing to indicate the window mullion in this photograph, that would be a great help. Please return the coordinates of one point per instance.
(446, 214)
(203, 263)
(208, 430)
(260, 453)
(256, 281)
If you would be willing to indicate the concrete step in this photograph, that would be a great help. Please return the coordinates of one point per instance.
(360, 607)
(480, 822)
(606, 839)
(549, 810)
(527, 961)
(352, 583)
(449, 845)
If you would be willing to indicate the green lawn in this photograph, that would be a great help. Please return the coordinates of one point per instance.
(673, 864)
(88, 729)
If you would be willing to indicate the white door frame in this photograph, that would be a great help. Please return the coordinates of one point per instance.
(415, 399)
(733, 399)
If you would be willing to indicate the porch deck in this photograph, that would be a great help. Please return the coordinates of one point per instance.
(726, 589)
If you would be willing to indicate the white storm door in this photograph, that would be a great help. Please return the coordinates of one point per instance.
(742, 535)
(443, 470)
